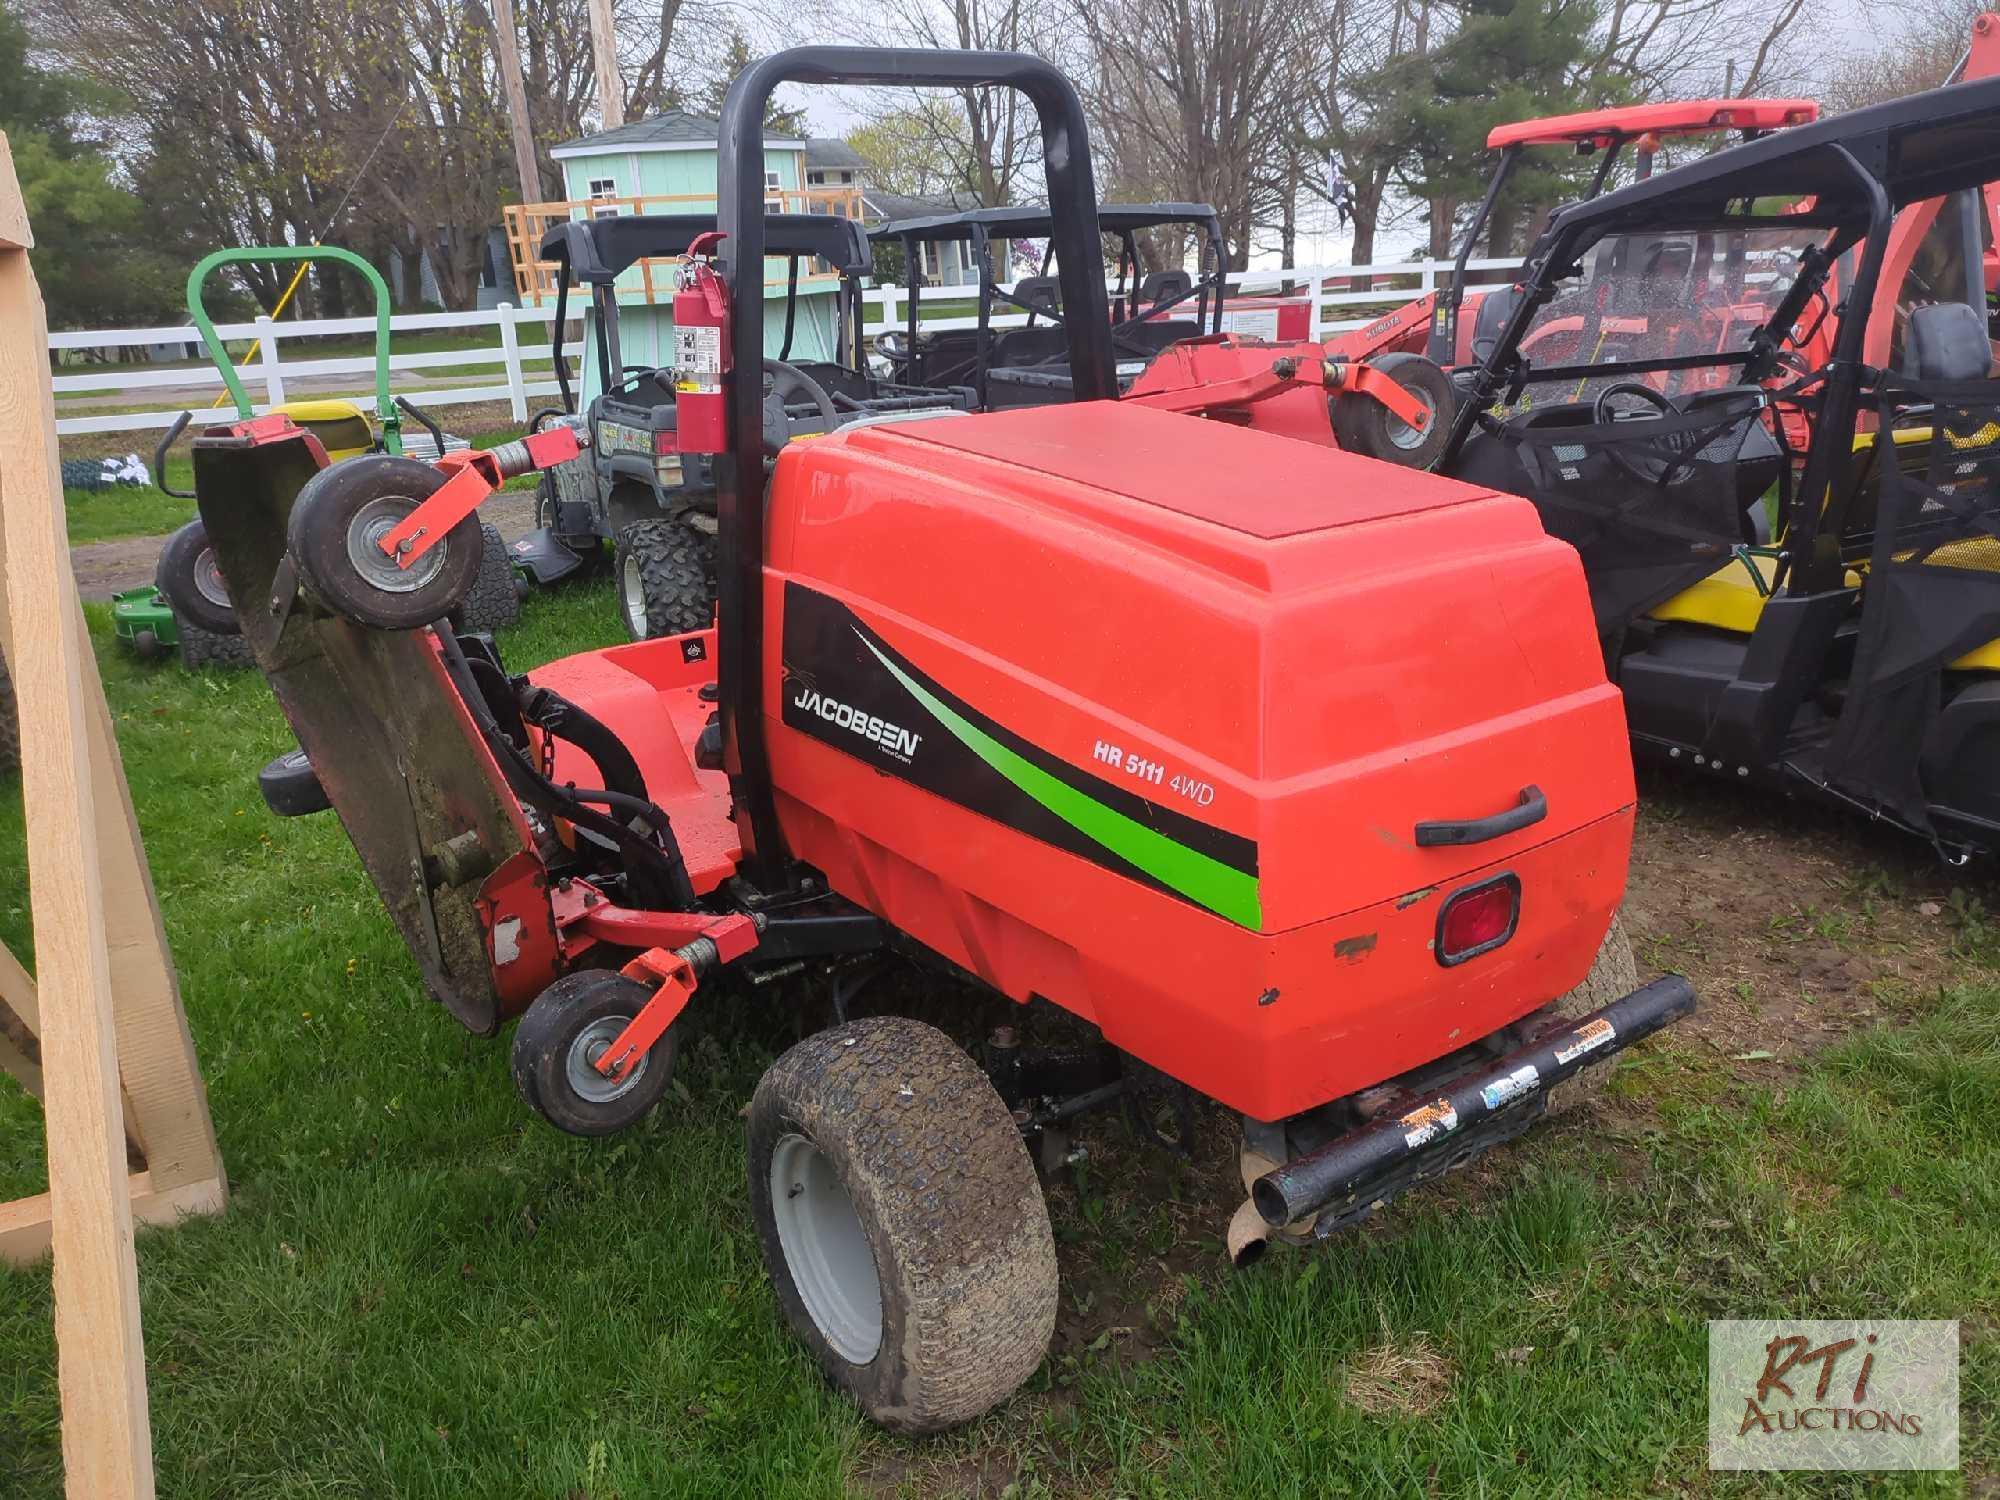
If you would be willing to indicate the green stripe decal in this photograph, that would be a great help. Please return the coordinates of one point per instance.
(1205, 881)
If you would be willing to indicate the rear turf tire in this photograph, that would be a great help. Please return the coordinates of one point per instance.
(1613, 975)
(1367, 427)
(494, 601)
(902, 1223)
(665, 573)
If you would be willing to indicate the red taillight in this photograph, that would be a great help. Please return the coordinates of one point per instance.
(1479, 918)
(663, 442)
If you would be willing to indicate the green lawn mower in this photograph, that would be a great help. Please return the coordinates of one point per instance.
(187, 608)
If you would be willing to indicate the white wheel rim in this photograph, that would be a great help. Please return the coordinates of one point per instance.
(376, 520)
(1402, 434)
(208, 579)
(580, 1065)
(825, 1250)
(633, 588)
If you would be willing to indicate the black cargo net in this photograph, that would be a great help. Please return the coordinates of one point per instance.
(1655, 500)
(1628, 424)
(1932, 589)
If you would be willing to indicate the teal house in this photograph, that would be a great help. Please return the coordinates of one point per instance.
(666, 164)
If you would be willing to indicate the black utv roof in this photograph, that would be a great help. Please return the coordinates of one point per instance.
(1918, 147)
(1032, 221)
(599, 249)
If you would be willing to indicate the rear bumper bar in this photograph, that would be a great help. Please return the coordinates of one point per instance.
(1386, 1152)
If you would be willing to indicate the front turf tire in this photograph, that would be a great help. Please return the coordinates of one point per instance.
(902, 1222)
(1613, 975)
(665, 572)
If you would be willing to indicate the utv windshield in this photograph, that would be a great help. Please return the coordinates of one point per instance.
(1671, 310)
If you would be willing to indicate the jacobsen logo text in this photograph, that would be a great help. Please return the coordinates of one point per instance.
(898, 741)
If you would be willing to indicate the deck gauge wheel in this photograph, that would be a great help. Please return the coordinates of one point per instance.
(336, 528)
(564, 1032)
(192, 583)
(1372, 430)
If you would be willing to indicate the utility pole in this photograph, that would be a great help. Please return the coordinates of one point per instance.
(517, 102)
(604, 47)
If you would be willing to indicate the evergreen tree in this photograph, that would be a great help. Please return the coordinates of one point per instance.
(96, 255)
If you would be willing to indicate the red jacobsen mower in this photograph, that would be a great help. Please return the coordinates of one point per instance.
(1294, 774)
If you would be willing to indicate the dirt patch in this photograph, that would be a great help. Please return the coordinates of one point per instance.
(1411, 1379)
(1795, 925)
(107, 568)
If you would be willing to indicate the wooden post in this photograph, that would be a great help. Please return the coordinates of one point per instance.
(104, 984)
(604, 51)
(517, 102)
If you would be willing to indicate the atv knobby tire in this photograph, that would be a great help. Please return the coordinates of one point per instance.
(494, 601)
(10, 724)
(1365, 426)
(883, 1145)
(207, 648)
(666, 579)
(1613, 975)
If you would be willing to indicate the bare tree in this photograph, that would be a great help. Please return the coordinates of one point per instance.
(1198, 100)
(1921, 48)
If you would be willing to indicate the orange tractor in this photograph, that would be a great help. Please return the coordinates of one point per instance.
(1291, 777)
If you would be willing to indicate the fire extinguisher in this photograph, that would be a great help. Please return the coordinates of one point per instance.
(701, 350)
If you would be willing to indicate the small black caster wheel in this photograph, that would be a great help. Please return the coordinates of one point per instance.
(291, 787)
(337, 524)
(146, 645)
(187, 575)
(559, 1040)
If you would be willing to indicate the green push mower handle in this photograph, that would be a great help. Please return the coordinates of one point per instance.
(385, 409)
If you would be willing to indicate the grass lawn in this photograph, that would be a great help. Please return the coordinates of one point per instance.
(420, 1291)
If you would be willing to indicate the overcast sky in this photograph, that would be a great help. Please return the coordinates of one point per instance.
(1840, 29)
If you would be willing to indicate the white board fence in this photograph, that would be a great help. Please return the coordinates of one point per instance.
(114, 396)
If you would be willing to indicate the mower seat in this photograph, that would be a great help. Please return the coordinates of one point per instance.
(342, 427)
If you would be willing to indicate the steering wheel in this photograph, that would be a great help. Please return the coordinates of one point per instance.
(1603, 415)
(784, 378)
(894, 343)
(1647, 469)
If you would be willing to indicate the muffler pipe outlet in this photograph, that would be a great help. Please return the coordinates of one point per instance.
(1249, 1236)
(1350, 1166)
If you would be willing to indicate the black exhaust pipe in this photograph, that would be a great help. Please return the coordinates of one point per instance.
(1353, 1165)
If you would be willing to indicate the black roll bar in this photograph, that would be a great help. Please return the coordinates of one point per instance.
(740, 471)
